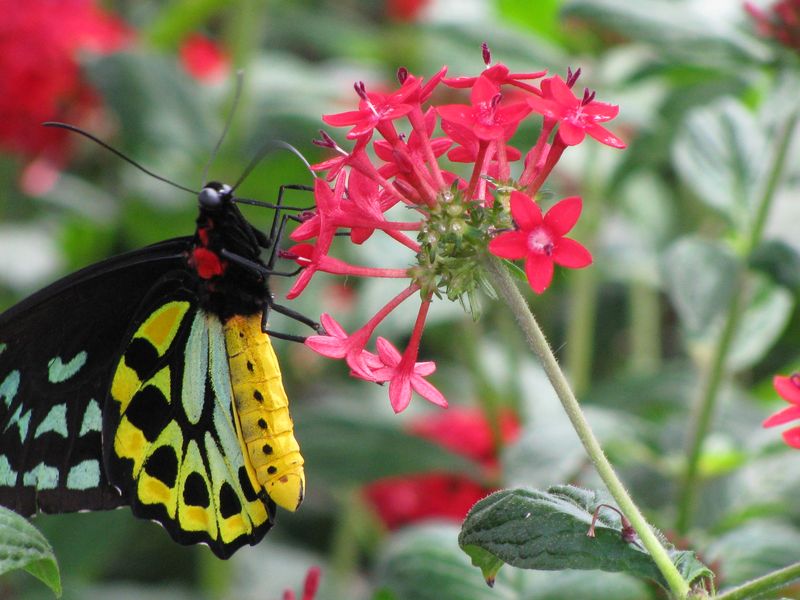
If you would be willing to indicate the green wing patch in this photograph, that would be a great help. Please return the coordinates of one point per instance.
(175, 453)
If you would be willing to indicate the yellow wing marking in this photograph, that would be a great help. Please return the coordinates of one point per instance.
(263, 424)
(162, 325)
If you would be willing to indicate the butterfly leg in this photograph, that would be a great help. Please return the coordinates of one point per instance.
(292, 314)
(264, 271)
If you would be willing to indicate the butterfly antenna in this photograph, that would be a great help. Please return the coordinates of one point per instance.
(237, 94)
(268, 147)
(113, 150)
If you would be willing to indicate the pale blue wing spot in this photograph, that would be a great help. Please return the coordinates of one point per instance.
(22, 422)
(42, 477)
(9, 387)
(222, 415)
(195, 369)
(84, 475)
(58, 371)
(8, 476)
(92, 418)
(55, 421)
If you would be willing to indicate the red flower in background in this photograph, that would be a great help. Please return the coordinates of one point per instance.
(781, 22)
(400, 501)
(40, 43)
(310, 586)
(788, 388)
(203, 59)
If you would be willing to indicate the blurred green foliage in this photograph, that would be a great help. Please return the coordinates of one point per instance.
(702, 100)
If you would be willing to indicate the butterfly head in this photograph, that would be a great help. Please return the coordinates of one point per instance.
(214, 195)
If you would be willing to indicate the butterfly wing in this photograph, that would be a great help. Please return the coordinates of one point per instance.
(173, 443)
(57, 350)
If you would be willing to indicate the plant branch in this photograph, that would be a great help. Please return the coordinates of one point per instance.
(703, 410)
(506, 290)
(758, 586)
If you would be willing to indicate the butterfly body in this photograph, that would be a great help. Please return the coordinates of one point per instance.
(147, 380)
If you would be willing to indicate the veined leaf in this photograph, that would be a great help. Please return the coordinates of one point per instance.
(23, 547)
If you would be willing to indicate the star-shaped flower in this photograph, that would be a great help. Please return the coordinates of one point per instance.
(576, 116)
(540, 239)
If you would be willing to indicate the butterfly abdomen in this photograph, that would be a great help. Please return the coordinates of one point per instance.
(262, 408)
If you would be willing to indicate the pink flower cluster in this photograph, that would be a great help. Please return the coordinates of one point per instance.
(460, 209)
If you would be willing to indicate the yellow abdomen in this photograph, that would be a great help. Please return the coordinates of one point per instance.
(265, 429)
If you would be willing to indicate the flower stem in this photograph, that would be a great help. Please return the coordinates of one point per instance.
(756, 587)
(703, 410)
(506, 290)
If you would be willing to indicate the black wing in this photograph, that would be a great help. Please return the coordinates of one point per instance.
(58, 348)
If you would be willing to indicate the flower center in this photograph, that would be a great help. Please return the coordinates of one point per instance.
(540, 242)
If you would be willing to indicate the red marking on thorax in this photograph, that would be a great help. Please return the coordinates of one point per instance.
(206, 263)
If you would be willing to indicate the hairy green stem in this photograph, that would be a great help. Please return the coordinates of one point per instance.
(756, 587)
(506, 290)
(703, 409)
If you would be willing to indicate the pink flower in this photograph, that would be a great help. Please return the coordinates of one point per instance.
(576, 116)
(486, 117)
(539, 240)
(451, 219)
(374, 109)
(404, 375)
(788, 388)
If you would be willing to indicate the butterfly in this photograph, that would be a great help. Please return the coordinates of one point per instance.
(149, 379)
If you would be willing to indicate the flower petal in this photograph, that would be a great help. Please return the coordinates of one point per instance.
(790, 413)
(571, 134)
(510, 244)
(527, 214)
(327, 345)
(788, 388)
(792, 437)
(563, 215)
(428, 391)
(388, 354)
(571, 254)
(539, 269)
(604, 136)
(400, 392)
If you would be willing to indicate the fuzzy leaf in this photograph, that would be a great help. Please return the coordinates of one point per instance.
(539, 530)
(23, 547)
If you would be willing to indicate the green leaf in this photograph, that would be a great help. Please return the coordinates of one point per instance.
(720, 153)
(347, 447)
(758, 547)
(780, 261)
(539, 530)
(768, 311)
(678, 30)
(23, 547)
(699, 277)
(424, 563)
(540, 17)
